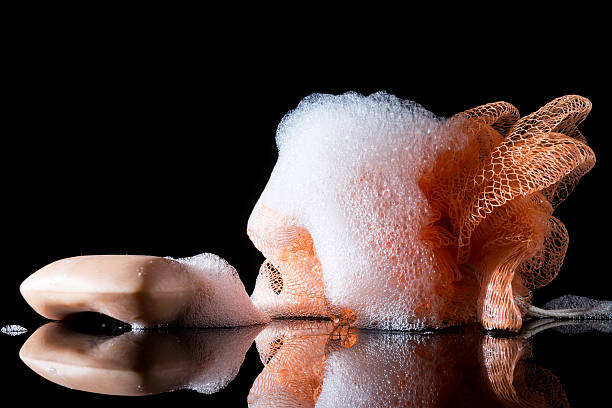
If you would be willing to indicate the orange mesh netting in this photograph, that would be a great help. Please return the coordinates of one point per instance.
(493, 200)
(291, 275)
(490, 229)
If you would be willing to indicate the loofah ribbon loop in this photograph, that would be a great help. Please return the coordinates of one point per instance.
(561, 116)
(501, 116)
(532, 158)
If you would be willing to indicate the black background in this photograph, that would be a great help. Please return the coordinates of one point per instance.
(140, 135)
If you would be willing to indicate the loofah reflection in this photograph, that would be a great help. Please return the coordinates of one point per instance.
(293, 353)
(517, 382)
(308, 364)
(408, 220)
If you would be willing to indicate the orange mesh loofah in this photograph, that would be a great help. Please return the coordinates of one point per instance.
(477, 234)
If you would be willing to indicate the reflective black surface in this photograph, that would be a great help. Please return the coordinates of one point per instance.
(550, 363)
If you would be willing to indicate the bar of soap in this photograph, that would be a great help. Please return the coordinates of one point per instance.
(145, 291)
(139, 362)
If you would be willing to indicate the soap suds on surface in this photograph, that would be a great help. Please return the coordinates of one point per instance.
(13, 330)
(583, 326)
(598, 309)
(220, 299)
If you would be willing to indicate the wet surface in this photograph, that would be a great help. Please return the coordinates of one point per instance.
(310, 362)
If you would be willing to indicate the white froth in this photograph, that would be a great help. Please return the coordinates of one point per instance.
(220, 298)
(13, 330)
(348, 171)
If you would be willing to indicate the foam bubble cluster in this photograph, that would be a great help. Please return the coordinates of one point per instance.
(220, 299)
(590, 308)
(347, 180)
(13, 330)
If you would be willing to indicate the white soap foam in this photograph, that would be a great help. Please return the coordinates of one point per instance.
(221, 299)
(13, 330)
(593, 309)
(348, 172)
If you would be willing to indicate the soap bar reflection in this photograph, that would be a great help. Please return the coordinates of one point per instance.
(310, 363)
(138, 362)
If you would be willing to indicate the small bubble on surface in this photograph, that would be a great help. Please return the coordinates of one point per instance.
(13, 329)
